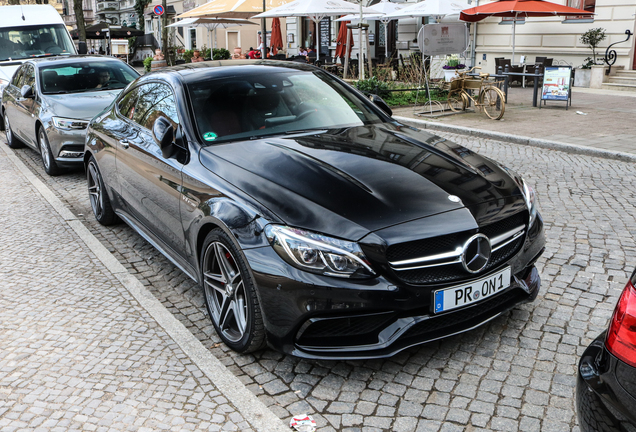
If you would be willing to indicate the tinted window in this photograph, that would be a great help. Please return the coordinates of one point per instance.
(34, 41)
(74, 77)
(273, 101)
(126, 104)
(155, 100)
(29, 77)
(17, 78)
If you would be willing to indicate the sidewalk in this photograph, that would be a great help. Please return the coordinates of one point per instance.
(84, 345)
(607, 122)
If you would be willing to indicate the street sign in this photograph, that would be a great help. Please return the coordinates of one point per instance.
(158, 10)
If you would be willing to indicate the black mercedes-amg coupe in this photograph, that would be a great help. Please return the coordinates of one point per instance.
(314, 221)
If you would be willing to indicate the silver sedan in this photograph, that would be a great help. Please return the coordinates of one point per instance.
(49, 102)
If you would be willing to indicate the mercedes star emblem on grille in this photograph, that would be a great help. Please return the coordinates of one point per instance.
(476, 253)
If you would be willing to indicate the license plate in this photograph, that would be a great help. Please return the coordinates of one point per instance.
(466, 294)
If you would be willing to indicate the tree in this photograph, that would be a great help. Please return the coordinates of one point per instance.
(164, 28)
(140, 6)
(78, 7)
(14, 2)
(593, 38)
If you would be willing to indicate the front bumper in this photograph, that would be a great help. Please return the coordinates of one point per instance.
(602, 403)
(313, 316)
(67, 146)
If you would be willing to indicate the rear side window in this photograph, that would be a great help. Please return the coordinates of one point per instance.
(155, 100)
(127, 103)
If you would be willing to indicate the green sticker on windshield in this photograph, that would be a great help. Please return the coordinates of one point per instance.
(209, 136)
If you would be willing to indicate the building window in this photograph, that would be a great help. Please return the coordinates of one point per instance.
(587, 5)
(509, 20)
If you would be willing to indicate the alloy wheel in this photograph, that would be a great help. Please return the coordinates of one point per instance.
(44, 149)
(94, 190)
(7, 129)
(225, 292)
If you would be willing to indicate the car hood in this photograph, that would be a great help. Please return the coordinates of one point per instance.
(349, 182)
(83, 106)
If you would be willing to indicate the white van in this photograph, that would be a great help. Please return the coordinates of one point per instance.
(28, 31)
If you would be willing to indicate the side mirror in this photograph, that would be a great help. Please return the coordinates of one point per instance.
(381, 104)
(163, 132)
(27, 92)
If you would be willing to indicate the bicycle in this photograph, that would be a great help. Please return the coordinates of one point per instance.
(490, 97)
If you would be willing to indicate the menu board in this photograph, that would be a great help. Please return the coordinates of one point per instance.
(556, 83)
(442, 39)
(325, 35)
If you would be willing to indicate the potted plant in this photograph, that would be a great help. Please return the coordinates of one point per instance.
(452, 66)
(592, 38)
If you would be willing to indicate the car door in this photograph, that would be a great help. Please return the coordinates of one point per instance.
(11, 96)
(149, 183)
(24, 124)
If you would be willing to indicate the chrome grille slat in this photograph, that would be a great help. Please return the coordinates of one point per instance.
(427, 268)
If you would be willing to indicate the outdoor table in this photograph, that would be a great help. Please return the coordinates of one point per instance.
(528, 75)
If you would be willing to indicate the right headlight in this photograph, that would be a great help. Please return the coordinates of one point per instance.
(69, 124)
(318, 253)
(531, 200)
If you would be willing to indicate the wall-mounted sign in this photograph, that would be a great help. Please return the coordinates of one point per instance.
(443, 39)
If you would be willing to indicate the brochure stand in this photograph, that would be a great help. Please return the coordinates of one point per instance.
(557, 85)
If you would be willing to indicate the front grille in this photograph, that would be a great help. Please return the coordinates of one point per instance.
(457, 318)
(452, 272)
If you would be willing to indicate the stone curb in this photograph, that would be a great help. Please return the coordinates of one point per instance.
(518, 139)
(261, 418)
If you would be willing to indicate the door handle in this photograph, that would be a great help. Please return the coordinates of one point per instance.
(124, 143)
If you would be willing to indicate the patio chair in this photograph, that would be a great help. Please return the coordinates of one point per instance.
(505, 63)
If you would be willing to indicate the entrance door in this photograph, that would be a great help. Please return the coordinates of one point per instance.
(232, 41)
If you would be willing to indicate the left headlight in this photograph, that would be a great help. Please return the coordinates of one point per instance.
(318, 253)
(69, 124)
(531, 200)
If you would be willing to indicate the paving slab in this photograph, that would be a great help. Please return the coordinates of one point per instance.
(83, 345)
(595, 119)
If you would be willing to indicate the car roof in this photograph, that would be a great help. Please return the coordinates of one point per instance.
(224, 68)
(45, 61)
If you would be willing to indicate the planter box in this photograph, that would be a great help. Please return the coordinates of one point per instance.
(449, 74)
(582, 77)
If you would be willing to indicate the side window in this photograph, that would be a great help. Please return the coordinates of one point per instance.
(155, 100)
(29, 77)
(17, 78)
(127, 103)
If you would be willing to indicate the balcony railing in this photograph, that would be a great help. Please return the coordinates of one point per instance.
(104, 6)
(70, 19)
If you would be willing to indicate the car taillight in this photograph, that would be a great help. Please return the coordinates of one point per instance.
(621, 337)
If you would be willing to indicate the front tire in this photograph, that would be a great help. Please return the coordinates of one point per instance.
(12, 141)
(48, 161)
(100, 203)
(493, 101)
(230, 294)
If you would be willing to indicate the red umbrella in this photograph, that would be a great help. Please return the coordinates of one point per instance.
(277, 38)
(519, 8)
(341, 42)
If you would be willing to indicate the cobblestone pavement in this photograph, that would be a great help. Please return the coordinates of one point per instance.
(514, 373)
(77, 351)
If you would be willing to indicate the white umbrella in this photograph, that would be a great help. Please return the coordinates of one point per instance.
(435, 8)
(316, 10)
(211, 24)
(383, 10)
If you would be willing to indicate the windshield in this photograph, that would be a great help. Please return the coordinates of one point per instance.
(34, 41)
(85, 76)
(257, 103)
